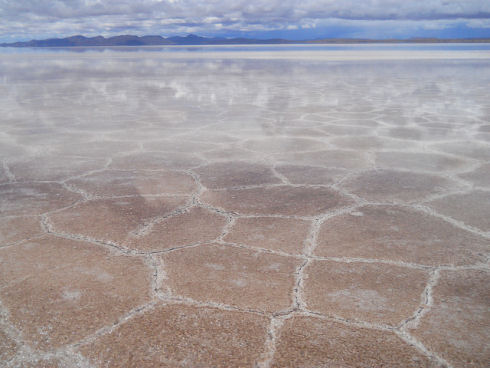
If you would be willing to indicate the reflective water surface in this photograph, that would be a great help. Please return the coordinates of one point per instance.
(243, 210)
(264, 48)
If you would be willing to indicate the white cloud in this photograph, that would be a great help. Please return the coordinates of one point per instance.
(479, 23)
(39, 18)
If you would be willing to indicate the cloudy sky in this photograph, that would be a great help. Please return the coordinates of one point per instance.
(293, 19)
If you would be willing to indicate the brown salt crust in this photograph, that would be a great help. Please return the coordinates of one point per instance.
(311, 175)
(283, 144)
(367, 143)
(235, 174)
(135, 182)
(58, 290)
(470, 208)
(341, 159)
(311, 342)
(374, 293)
(194, 120)
(19, 199)
(15, 229)
(54, 167)
(183, 146)
(399, 234)
(156, 161)
(32, 362)
(455, 327)
(396, 186)
(279, 234)
(234, 153)
(96, 149)
(112, 220)
(278, 200)
(197, 225)
(229, 275)
(418, 161)
(179, 335)
(8, 346)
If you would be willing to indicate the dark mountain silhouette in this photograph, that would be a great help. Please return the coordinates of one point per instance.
(132, 40)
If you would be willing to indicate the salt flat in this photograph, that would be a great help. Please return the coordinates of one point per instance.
(245, 208)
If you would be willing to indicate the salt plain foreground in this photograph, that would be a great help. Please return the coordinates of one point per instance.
(202, 211)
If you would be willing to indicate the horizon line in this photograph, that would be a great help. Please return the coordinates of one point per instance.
(201, 40)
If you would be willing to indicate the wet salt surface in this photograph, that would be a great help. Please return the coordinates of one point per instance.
(245, 210)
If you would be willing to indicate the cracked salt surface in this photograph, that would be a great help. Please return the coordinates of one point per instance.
(232, 210)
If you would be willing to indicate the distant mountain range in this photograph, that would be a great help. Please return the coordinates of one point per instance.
(131, 40)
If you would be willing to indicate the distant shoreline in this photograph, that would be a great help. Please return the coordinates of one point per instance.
(193, 40)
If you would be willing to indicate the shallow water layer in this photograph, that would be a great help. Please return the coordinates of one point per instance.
(245, 208)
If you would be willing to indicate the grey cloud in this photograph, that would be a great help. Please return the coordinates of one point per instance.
(279, 9)
(27, 17)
